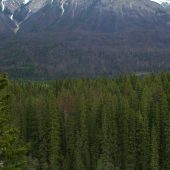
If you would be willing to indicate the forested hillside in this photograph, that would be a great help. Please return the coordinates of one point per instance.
(84, 54)
(93, 124)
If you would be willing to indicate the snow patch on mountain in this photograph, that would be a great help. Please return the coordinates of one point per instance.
(161, 1)
(12, 17)
(3, 5)
(26, 1)
(62, 7)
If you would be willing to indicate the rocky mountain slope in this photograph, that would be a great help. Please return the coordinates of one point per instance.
(19, 11)
(101, 15)
(98, 15)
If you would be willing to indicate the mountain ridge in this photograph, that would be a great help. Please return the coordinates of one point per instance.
(20, 11)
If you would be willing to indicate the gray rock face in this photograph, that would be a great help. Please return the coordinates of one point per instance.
(36, 5)
(12, 5)
(22, 9)
(97, 15)
(6, 25)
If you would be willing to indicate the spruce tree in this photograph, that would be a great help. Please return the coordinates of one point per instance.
(12, 152)
(145, 143)
(55, 135)
(165, 134)
(154, 150)
(109, 133)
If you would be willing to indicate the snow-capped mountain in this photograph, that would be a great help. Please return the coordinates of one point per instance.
(97, 15)
(161, 1)
(110, 15)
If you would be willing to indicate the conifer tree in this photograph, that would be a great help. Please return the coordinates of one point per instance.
(78, 163)
(109, 133)
(154, 150)
(145, 145)
(55, 137)
(165, 134)
(12, 152)
(84, 135)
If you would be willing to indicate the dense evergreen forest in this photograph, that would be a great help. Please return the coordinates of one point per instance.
(86, 124)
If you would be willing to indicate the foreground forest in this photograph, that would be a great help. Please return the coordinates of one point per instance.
(86, 124)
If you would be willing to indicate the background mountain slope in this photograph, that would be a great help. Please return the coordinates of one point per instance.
(82, 38)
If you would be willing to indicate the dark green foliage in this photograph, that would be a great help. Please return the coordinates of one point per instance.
(100, 124)
(12, 151)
